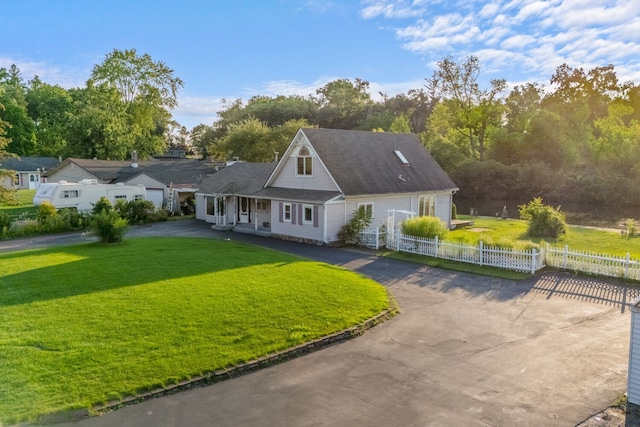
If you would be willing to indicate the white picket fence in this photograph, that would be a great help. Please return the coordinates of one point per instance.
(529, 261)
(593, 263)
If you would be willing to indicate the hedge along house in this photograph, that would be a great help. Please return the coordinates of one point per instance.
(324, 176)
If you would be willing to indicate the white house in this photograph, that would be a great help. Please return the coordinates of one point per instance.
(324, 176)
(29, 171)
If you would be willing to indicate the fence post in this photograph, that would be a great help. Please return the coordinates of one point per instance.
(437, 246)
(480, 252)
(533, 260)
(564, 256)
(397, 240)
(377, 238)
(626, 266)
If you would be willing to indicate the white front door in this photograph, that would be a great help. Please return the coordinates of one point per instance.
(244, 210)
(33, 182)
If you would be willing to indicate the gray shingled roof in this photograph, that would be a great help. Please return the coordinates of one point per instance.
(365, 162)
(238, 179)
(176, 171)
(28, 163)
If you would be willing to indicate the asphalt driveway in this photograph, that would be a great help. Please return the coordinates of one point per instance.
(465, 351)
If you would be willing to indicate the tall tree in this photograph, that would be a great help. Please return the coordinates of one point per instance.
(149, 91)
(138, 77)
(22, 130)
(49, 108)
(6, 195)
(343, 104)
(476, 110)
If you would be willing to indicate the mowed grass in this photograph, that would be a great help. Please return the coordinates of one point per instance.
(87, 324)
(492, 230)
(24, 205)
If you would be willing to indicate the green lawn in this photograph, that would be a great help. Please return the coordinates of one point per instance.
(83, 325)
(24, 206)
(578, 238)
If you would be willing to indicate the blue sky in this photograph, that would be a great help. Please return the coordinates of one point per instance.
(229, 49)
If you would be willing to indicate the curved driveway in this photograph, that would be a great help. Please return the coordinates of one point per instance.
(465, 351)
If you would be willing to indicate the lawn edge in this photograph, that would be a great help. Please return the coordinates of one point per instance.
(233, 371)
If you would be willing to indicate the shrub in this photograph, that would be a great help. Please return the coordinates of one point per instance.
(630, 228)
(109, 226)
(424, 226)
(101, 205)
(350, 232)
(5, 220)
(139, 211)
(46, 212)
(74, 219)
(544, 221)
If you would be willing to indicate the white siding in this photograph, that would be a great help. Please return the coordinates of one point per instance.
(201, 207)
(295, 228)
(633, 380)
(147, 181)
(335, 220)
(70, 173)
(286, 178)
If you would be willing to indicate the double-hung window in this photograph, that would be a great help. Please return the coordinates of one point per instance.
(305, 163)
(286, 212)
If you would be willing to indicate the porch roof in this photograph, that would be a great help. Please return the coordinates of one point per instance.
(297, 195)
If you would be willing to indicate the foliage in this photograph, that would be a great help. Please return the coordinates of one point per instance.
(85, 324)
(101, 205)
(630, 228)
(108, 226)
(428, 227)
(350, 232)
(543, 220)
(46, 212)
(136, 211)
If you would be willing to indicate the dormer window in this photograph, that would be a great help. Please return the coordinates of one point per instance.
(304, 162)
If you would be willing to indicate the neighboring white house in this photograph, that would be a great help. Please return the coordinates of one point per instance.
(169, 183)
(29, 171)
(324, 176)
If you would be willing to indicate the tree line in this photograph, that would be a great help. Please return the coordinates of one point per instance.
(576, 139)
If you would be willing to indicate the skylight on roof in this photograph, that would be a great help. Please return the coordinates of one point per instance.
(401, 156)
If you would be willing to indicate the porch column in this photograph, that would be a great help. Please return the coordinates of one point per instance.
(215, 208)
(255, 214)
(235, 211)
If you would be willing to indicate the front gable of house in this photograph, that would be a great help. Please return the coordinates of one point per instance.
(302, 168)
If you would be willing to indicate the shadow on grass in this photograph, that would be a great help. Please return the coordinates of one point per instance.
(94, 267)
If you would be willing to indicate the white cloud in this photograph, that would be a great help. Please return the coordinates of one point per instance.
(530, 38)
(392, 9)
(49, 73)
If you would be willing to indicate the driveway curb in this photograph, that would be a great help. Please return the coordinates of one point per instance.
(248, 367)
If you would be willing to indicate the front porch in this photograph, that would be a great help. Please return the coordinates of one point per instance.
(259, 229)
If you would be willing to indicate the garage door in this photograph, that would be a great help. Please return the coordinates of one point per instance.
(156, 196)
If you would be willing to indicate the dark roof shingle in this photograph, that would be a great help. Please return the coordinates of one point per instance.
(365, 162)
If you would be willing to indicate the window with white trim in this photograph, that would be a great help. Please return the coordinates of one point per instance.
(367, 207)
(261, 205)
(305, 163)
(286, 212)
(427, 206)
(307, 214)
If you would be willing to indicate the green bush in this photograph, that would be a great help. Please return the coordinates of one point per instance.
(139, 211)
(74, 219)
(350, 232)
(101, 205)
(46, 212)
(629, 225)
(424, 226)
(543, 220)
(5, 220)
(109, 226)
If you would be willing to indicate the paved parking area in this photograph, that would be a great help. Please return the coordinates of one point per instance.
(465, 351)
